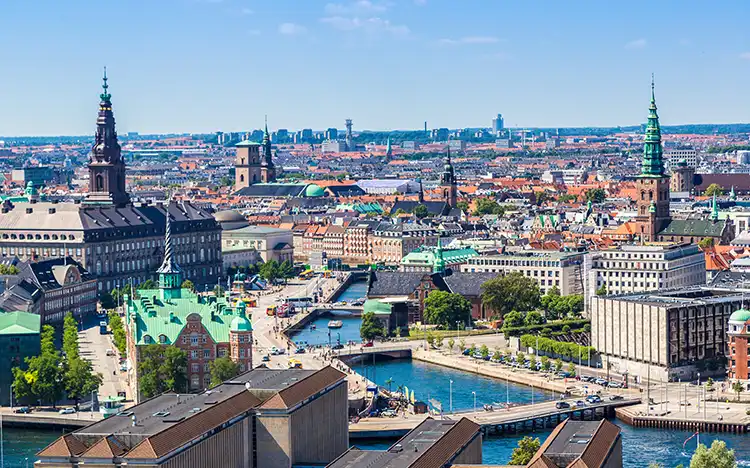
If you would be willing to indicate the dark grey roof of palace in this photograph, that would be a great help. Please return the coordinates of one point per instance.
(273, 190)
(694, 228)
(467, 283)
(393, 283)
(42, 272)
(435, 208)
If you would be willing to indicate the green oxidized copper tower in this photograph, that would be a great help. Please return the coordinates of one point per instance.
(653, 161)
(170, 273)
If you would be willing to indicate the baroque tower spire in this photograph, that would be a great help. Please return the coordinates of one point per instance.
(170, 273)
(268, 170)
(653, 163)
(106, 166)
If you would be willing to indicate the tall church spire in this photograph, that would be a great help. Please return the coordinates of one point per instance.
(106, 166)
(653, 163)
(448, 181)
(268, 170)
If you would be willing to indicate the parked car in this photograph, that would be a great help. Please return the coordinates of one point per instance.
(389, 413)
(466, 352)
(299, 350)
(616, 397)
(22, 410)
(109, 352)
(562, 405)
(615, 385)
(369, 344)
(602, 382)
(580, 404)
(337, 346)
(593, 399)
(67, 411)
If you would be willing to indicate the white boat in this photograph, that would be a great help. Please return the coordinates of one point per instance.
(335, 324)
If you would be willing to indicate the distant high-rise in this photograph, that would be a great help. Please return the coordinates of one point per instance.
(497, 124)
(349, 136)
(332, 134)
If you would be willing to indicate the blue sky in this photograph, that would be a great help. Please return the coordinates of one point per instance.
(207, 65)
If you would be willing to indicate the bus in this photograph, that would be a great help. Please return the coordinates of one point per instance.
(306, 275)
(250, 301)
(271, 310)
(299, 302)
(103, 327)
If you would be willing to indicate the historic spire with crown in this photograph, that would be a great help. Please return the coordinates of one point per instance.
(268, 170)
(714, 210)
(448, 181)
(439, 266)
(106, 166)
(170, 273)
(653, 163)
(388, 149)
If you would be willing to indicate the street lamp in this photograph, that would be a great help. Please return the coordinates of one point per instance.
(507, 393)
(450, 395)
(475, 401)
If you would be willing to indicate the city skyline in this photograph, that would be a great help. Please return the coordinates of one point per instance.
(207, 65)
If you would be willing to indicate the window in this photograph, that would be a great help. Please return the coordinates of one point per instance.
(222, 352)
(195, 367)
(206, 353)
(242, 352)
(194, 354)
(194, 340)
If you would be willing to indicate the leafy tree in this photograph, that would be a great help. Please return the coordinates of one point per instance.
(463, 206)
(596, 195)
(566, 198)
(223, 369)
(714, 189)
(738, 388)
(485, 206)
(497, 355)
(451, 344)
(709, 384)
(546, 364)
(473, 349)
(462, 345)
(446, 309)
(484, 351)
(525, 451)
(430, 339)
(572, 369)
(718, 456)
(80, 379)
(286, 270)
(6, 269)
(510, 292)
(148, 284)
(269, 271)
(162, 369)
(558, 365)
(513, 319)
(532, 362)
(602, 291)
(371, 326)
(706, 243)
(106, 300)
(187, 284)
(118, 332)
(70, 336)
(534, 318)
(398, 212)
(520, 357)
(542, 197)
(438, 341)
(421, 211)
(42, 380)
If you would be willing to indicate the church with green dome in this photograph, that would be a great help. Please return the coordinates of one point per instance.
(206, 327)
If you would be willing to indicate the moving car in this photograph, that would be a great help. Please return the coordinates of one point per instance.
(593, 399)
(67, 411)
(369, 344)
(22, 410)
(562, 405)
(337, 346)
(265, 358)
(616, 397)
(109, 352)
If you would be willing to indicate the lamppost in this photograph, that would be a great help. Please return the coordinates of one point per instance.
(450, 396)
(507, 392)
(475, 401)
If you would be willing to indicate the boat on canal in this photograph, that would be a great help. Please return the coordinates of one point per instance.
(335, 324)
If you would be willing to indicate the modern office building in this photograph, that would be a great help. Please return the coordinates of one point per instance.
(563, 270)
(333, 146)
(262, 418)
(498, 124)
(19, 339)
(580, 444)
(738, 336)
(640, 268)
(432, 444)
(664, 334)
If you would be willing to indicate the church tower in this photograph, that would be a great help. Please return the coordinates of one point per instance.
(267, 168)
(106, 166)
(448, 182)
(247, 167)
(652, 184)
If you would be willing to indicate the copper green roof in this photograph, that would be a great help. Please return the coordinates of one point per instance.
(19, 323)
(653, 163)
(313, 190)
(693, 228)
(427, 255)
(741, 315)
(377, 307)
(154, 317)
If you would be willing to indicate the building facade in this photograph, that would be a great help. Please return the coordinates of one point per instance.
(19, 339)
(563, 270)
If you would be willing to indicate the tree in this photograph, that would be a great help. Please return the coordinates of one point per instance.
(80, 379)
(218, 291)
(714, 189)
(42, 380)
(6, 269)
(520, 357)
(286, 270)
(371, 326)
(597, 195)
(718, 456)
(738, 388)
(269, 271)
(187, 284)
(70, 336)
(462, 345)
(602, 291)
(430, 339)
(542, 197)
(148, 284)
(451, 344)
(558, 365)
(566, 198)
(446, 309)
(223, 369)
(439, 341)
(546, 364)
(572, 369)
(706, 243)
(532, 362)
(484, 351)
(709, 384)
(513, 319)
(510, 292)
(526, 449)
(463, 206)
(106, 300)
(421, 211)
(118, 332)
(162, 369)
(534, 318)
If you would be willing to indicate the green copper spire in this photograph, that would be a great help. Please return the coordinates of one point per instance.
(653, 164)
(105, 94)
(714, 210)
(170, 273)
(732, 195)
(439, 266)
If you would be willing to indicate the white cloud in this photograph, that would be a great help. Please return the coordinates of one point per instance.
(636, 44)
(358, 7)
(370, 25)
(470, 40)
(291, 29)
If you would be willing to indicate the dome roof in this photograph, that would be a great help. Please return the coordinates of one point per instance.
(741, 315)
(313, 190)
(230, 219)
(241, 324)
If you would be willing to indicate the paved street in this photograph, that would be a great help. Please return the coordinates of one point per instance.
(93, 346)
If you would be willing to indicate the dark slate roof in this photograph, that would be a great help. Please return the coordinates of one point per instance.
(20, 296)
(740, 182)
(693, 228)
(467, 283)
(273, 190)
(345, 190)
(435, 208)
(730, 279)
(393, 283)
(42, 273)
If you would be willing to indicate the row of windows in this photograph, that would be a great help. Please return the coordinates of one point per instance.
(514, 262)
(63, 237)
(45, 252)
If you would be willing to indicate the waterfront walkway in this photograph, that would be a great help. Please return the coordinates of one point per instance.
(515, 418)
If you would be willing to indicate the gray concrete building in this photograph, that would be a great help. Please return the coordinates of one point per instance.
(664, 334)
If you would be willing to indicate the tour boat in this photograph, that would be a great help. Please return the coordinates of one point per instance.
(335, 324)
